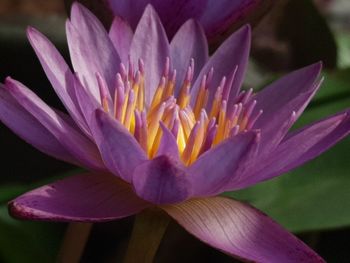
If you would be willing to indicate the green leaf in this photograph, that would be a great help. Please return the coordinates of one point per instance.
(29, 242)
(343, 42)
(316, 195)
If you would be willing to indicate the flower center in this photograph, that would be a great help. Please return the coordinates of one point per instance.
(196, 127)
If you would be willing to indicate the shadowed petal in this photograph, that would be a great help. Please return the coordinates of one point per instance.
(189, 42)
(173, 13)
(299, 147)
(161, 181)
(280, 99)
(74, 142)
(220, 165)
(219, 16)
(58, 72)
(119, 149)
(91, 49)
(83, 198)
(232, 53)
(150, 44)
(121, 35)
(240, 230)
(14, 116)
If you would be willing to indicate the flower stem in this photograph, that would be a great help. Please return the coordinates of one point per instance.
(148, 231)
(74, 242)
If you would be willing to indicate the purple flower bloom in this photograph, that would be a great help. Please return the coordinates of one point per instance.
(215, 16)
(159, 124)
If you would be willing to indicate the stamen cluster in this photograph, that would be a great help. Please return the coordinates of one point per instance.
(196, 127)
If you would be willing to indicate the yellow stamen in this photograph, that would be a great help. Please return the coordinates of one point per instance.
(184, 97)
(157, 98)
(154, 125)
(221, 123)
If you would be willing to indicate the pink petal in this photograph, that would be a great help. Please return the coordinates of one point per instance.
(120, 151)
(58, 72)
(14, 116)
(299, 147)
(240, 231)
(222, 164)
(91, 49)
(189, 42)
(83, 198)
(232, 53)
(280, 99)
(121, 36)
(71, 138)
(150, 44)
(161, 181)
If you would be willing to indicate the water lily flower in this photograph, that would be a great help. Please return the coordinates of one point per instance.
(215, 16)
(163, 124)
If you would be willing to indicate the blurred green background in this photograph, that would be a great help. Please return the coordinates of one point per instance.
(312, 201)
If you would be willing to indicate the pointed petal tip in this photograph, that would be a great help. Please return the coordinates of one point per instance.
(10, 84)
(161, 181)
(151, 12)
(149, 9)
(8, 80)
(31, 31)
(246, 30)
(77, 8)
(314, 68)
(16, 211)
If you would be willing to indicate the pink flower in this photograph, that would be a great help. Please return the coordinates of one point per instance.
(159, 124)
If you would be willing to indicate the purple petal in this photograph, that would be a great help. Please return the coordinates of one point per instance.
(161, 181)
(232, 53)
(151, 45)
(83, 198)
(299, 147)
(14, 116)
(173, 13)
(119, 149)
(74, 142)
(220, 165)
(91, 49)
(121, 36)
(58, 72)
(280, 99)
(219, 16)
(240, 231)
(130, 10)
(189, 42)
(87, 102)
(168, 144)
